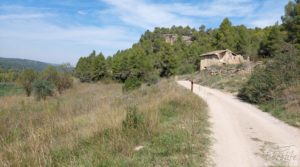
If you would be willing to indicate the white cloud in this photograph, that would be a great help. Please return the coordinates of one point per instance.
(81, 12)
(147, 15)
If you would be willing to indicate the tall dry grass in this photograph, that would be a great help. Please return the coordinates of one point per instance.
(84, 126)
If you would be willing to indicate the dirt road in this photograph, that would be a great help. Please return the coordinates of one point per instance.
(244, 136)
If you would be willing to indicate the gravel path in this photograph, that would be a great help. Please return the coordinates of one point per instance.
(244, 136)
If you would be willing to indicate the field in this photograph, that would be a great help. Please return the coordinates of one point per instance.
(99, 125)
(10, 89)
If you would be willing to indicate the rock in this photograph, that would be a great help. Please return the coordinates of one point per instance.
(138, 148)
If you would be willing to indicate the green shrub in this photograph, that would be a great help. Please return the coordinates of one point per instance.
(186, 69)
(258, 88)
(152, 78)
(267, 82)
(131, 83)
(134, 119)
(42, 89)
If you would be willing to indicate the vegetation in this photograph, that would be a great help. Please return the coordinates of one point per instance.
(7, 89)
(153, 57)
(42, 89)
(131, 83)
(26, 79)
(60, 79)
(230, 78)
(269, 83)
(21, 64)
(98, 125)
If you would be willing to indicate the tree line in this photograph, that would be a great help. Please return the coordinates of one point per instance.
(43, 83)
(152, 57)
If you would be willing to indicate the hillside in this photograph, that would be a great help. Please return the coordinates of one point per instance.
(19, 64)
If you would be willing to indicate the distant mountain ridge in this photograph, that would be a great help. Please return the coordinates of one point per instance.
(20, 64)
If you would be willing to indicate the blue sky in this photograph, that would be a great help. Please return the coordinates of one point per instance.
(60, 31)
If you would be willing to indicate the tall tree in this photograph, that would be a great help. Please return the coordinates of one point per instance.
(244, 40)
(99, 68)
(291, 21)
(273, 43)
(225, 36)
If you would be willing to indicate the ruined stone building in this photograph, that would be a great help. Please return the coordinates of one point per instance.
(220, 57)
(172, 38)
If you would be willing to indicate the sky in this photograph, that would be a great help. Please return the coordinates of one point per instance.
(62, 31)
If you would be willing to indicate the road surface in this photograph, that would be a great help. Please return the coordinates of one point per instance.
(244, 136)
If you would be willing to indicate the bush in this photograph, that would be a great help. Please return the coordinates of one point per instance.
(278, 74)
(186, 69)
(63, 82)
(152, 78)
(131, 83)
(258, 88)
(26, 79)
(133, 120)
(42, 89)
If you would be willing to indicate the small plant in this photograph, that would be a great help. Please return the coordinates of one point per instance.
(133, 119)
(42, 89)
(131, 83)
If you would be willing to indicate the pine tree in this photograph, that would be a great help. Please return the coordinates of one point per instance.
(291, 22)
(99, 69)
(226, 37)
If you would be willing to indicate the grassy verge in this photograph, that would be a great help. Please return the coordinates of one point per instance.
(229, 78)
(98, 125)
(287, 107)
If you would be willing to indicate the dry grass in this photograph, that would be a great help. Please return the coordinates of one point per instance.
(84, 128)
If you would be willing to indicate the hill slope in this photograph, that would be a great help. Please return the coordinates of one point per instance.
(19, 64)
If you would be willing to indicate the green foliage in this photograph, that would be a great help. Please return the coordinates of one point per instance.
(270, 79)
(10, 89)
(99, 69)
(91, 68)
(259, 86)
(8, 76)
(225, 36)
(61, 80)
(131, 83)
(42, 89)
(291, 21)
(50, 74)
(26, 80)
(134, 119)
(273, 44)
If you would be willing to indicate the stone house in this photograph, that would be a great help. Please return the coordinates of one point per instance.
(220, 57)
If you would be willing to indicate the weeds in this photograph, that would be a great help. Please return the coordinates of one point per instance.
(92, 125)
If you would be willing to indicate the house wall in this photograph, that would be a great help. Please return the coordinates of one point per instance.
(209, 61)
(228, 58)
